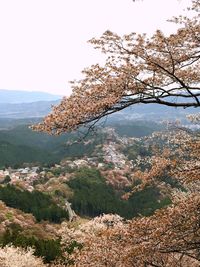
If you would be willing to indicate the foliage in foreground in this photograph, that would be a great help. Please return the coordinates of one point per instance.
(48, 249)
(10, 255)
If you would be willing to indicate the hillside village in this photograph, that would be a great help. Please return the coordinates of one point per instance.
(117, 158)
(109, 156)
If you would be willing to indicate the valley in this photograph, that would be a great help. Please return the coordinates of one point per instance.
(47, 181)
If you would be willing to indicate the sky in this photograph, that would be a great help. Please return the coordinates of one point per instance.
(43, 43)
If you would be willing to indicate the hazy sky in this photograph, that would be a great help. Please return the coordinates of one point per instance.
(43, 43)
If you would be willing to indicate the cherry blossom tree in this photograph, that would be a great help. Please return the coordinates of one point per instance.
(18, 257)
(139, 69)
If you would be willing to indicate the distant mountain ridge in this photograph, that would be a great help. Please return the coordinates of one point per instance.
(23, 104)
(26, 110)
(40, 109)
(18, 96)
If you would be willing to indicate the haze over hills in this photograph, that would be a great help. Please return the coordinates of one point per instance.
(153, 112)
(26, 110)
(23, 104)
(18, 96)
